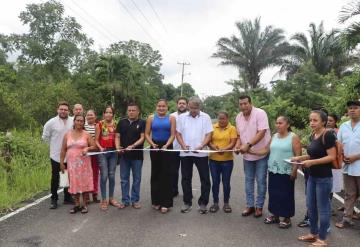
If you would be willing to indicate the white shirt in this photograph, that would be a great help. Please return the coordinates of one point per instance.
(54, 132)
(193, 131)
(176, 144)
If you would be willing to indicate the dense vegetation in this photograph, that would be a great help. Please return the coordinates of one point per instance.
(55, 61)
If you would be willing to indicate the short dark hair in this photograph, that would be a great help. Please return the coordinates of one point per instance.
(134, 104)
(245, 97)
(182, 98)
(63, 103)
(224, 113)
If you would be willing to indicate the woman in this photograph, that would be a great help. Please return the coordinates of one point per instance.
(321, 153)
(284, 145)
(160, 134)
(76, 144)
(337, 173)
(105, 141)
(221, 164)
(90, 126)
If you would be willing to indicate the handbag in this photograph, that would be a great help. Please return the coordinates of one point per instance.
(64, 179)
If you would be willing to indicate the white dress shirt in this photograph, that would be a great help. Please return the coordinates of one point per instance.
(193, 131)
(54, 132)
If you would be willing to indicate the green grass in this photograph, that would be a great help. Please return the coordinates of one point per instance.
(28, 172)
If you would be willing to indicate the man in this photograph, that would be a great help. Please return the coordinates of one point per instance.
(78, 109)
(53, 133)
(253, 130)
(349, 137)
(181, 105)
(193, 132)
(130, 134)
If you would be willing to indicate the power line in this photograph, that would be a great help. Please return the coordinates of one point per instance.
(141, 26)
(156, 14)
(143, 15)
(90, 24)
(94, 19)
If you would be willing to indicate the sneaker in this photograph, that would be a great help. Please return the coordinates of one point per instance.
(304, 223)
(53, 204)
(186, 208)
(203, 209)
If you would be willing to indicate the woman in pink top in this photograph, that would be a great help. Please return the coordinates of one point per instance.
(76, 144)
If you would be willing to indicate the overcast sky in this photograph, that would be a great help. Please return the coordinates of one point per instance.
(184, 30)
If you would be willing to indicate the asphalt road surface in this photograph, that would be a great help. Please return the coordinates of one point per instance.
(39, 226)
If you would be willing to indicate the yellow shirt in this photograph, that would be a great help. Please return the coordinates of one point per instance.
(222, 138)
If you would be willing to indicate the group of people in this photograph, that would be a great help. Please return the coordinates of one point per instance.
(189, 137)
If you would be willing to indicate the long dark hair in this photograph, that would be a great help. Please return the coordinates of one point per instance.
(77, 116)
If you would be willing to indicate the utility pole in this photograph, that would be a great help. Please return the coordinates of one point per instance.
(182, 76)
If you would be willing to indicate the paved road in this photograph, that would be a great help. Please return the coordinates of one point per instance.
(39, 226)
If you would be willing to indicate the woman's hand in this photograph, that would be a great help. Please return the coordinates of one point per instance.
(85, 151)
(62, 167)
(154, 146)
(164, 147)
(298, 159)
(307, 163)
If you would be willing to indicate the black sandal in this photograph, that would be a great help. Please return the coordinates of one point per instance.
(84, 210)
(271, 220)
(214, 208)
(285, 224)
(75, 209)
(227, 208)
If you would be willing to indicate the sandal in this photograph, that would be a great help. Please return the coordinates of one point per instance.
(285, 224)
(122, 205)
(344, 224)
(136, 205)
(319, 243)
(227, 208)
(84, 210)
(75, 209)
(164, 210)
(104, 205)
(114, 203)
(271, 220)
(308, 238)
(214, 208)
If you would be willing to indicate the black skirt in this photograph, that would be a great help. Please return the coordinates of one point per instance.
(281, 195)
(161, 189)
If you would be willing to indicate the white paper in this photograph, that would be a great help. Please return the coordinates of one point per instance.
(64, 179)
(292, 162)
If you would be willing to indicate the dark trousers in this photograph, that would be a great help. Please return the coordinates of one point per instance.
(161, 190)
(55, 178)
(175, 166)
(202, 166)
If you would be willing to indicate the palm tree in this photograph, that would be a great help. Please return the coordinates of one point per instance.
(323, 50)
(352, 32)
(253, 51)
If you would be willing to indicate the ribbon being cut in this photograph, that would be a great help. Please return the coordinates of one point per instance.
(163, 150)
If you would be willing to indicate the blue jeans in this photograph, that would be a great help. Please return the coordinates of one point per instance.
(107, 164)
(135, 166)
(318, 203)
(221, 170)
(255, 170)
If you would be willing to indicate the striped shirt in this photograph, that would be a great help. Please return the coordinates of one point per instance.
(90, 129)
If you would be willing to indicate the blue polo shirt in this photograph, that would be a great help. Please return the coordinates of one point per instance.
(350, 138)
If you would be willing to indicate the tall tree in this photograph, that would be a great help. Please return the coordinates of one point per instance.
(352, 32)
(323, 50)
(254, 50)
(54, 40)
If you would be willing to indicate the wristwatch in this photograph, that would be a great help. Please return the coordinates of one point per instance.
(249, 144)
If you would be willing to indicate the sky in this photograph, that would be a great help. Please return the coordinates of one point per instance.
(184, 30)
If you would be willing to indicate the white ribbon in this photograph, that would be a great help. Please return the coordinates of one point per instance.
(163, 150)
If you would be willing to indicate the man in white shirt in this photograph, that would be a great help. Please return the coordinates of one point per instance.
(193, 132)
(53, 133)
(181, 105)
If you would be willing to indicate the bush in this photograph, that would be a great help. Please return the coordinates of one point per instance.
(26, 171)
